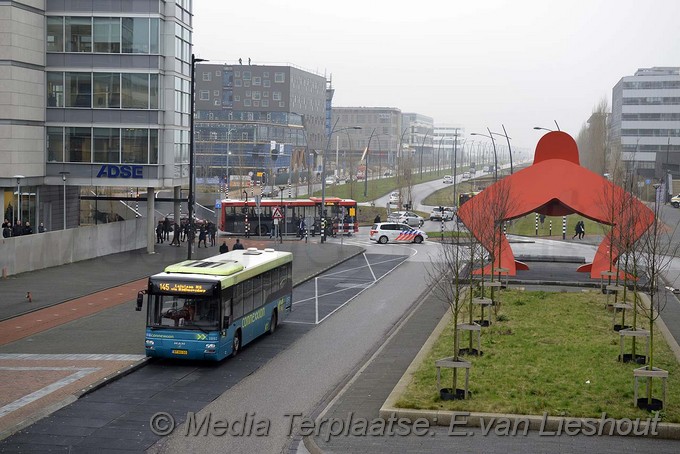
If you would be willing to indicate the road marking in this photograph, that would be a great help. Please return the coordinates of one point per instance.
(70, 356)
(32, 397)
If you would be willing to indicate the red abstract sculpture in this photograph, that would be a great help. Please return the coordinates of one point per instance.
(555, 185)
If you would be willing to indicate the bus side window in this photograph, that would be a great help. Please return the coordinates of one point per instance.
(247, 296)
(257, 291)
(237, 306)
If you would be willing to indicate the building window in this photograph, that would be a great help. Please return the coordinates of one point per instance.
(265, 74)
(107, 34)
(106, 144)
(106, 91)
(55, 89)
(79, 89)
(207, 77)
(267, 83)
(216, 92)
(256, 95)
(279, 78)
(153, 146)
(238, 83)
(78, 34)
(204, 95)
(265, 94)
(135, 35)
(246, 103)
(256, 103)
(218, 73)
(217, 102)
(246, 83)
(282, 104)
(276, 96)
(135, 91)
(265, 103)
(135, 146)
(257, 81)
(55, 34)
(55, 144)
(246, 75)
(153, 91)
(78, 145)
(248, 93)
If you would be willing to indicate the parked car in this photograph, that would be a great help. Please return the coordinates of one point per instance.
(675, 201)
(406, 217)
(270, 192)
(439, 213)
(394, 232)
(330, 180)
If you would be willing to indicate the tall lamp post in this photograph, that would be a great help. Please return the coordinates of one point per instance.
(538, 128)
(422, 148)
(18, 215)
(192, 196)
(226, 192)
(323, 176)
(505, 134)
(63, 179)
(495, 155)
(367, 153)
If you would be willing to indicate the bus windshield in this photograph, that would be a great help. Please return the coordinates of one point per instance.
(184, 312)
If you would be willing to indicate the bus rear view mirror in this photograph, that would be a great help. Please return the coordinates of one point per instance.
(140, 300)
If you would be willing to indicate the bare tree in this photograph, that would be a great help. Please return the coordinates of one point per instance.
(593, 139)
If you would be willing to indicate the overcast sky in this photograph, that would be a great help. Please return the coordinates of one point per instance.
(474, 63)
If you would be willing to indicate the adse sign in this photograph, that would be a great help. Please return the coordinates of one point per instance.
(120, 171)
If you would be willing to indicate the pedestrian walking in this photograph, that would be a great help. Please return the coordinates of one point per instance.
(167, 226)
(301, 228)
(159, 232)
(202, 235)
(577, 230)
(212, 233)
(237, 245)
(377, 219)
(175, 235)
(583, 230)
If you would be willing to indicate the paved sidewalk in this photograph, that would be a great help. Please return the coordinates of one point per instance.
(76, 311)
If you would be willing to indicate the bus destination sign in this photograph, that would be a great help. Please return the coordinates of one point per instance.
(187, 288)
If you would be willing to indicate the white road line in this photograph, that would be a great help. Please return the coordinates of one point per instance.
(32, 397)
(369, 267)
(69, 357)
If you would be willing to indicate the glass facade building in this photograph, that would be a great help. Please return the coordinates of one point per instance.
(645, 121)
(95, 85)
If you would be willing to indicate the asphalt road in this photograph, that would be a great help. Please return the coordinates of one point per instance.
(298, 379)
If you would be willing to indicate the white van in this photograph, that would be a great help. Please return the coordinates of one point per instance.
(394, 198)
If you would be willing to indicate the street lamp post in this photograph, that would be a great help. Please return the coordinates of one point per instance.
(367, 153)
(18, 215)
(226, 192)
(63, 179)
(505, 134)
(323, 176)
(422, 148)
(192, 196)
(495, 155)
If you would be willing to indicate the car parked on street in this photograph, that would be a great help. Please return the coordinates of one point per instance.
(675, 201)
(441, 213)
(394, 232)
(406, 217)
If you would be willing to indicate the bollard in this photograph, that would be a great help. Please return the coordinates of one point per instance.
(4, 272)
(550, 233)
(29, 297)
(323, 230)
(536, 224)
(564, 227)
(442, 227)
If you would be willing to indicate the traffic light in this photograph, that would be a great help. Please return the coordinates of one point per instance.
(274, 150)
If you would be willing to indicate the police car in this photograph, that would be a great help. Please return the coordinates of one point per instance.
(396, 233)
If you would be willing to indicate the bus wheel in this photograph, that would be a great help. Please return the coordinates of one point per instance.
(272, 323)
(236, 344)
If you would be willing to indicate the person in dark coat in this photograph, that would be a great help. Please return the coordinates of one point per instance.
(237, 245)
(202, 236)
(175, 235)
(159, 232)
(27, 229)
(212, 233)
(224, 248)
(17, 230)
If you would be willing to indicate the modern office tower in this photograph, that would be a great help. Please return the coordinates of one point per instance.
(94, 98)
(645, 122)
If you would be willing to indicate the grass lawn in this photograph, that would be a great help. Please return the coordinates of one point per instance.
(556, 352)
(526, 225)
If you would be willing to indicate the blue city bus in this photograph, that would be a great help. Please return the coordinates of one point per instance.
(209, 309)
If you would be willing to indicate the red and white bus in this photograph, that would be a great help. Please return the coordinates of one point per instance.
(236, 213)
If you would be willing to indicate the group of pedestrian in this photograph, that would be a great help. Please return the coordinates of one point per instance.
(580, 230)
(19, 229)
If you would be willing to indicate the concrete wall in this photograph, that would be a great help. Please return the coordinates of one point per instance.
(37, 251)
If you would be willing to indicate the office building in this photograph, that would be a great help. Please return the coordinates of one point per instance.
(94, 99)
(645, 122)
(258, 122)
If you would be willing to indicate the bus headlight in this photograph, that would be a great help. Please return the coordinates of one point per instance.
(209, 345)
(209, 348)
(149, 344)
